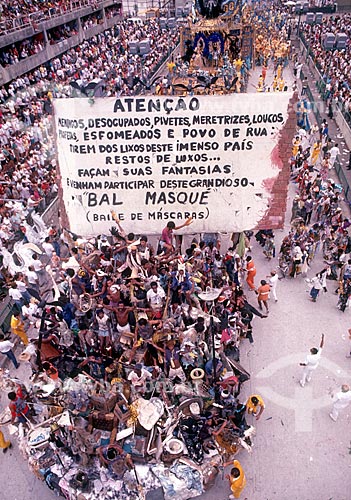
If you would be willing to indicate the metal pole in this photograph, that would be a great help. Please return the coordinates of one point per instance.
(214, 363)
(214, 360)
(40, 339)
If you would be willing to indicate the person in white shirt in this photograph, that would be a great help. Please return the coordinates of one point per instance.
(38, 268)
(273, 280)
(341, 400)
(103, 322)
(30, 311)
(156, 296)
(311, 363)
(138, 377)
(32, 203)
(22, 287)
(16, 295)
(297, 259)
(48, 247)
(334, 152)
(32, 277)
(37, 265)
(6, 348)
(72, 262)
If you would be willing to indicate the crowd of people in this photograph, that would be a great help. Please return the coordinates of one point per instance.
(31, 46)
(334, 65)
(28, 179)
(317, 220)
(16, 15)
(129, 327)
(130, 377)
(21, 50)
(123, 338)
(92, 20)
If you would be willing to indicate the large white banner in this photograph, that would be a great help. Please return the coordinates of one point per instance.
(155, 159)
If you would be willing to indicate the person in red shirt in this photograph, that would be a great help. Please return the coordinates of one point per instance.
(251, 272)
(18, 406)
(263, 294)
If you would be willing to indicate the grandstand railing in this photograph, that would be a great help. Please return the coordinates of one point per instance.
(345, 112)
(321, 81)
(344, 182)
(21, 22)
(32, 62)
(321, 86)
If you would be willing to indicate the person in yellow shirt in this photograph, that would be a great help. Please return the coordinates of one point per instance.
(237, 479)
(296, 144)
(255, 406)
(4, 445)
(316, 149)
(260, 84)
(275, 83)
(170, 66)
(17, 327)
(279, 71)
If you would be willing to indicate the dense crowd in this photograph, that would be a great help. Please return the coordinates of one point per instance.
(90, 21)
(21, 50)
(26, 136)
(134, 337)
(334, 65)
(19, 14)
(130, 379)
(318, 222)
(158, 329)
(31, 46)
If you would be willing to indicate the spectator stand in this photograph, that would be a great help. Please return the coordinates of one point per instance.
(322, 78)
(23, 18)
(56, 36)
(342, 116)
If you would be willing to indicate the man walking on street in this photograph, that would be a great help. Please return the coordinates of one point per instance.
(251, 272)
(237, 479)
(17, 327)
(273, 280)
(6, 348)
(263, 295)
(311, 363)
(341, 400)
(334, 153)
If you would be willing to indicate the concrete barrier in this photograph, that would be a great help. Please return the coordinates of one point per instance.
(343, 126)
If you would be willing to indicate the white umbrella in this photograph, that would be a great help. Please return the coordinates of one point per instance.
(290, 3)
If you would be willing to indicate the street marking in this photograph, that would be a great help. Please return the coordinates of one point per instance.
(295, 359)
(303, 403)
